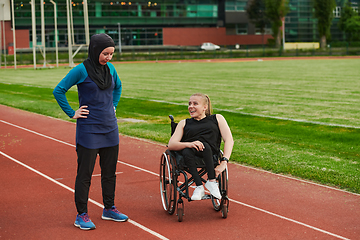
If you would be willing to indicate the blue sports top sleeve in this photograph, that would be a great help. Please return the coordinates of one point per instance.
(118, 85)
(75, 76)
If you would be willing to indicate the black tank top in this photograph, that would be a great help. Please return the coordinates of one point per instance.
(205, 130)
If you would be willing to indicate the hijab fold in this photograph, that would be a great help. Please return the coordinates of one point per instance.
(99, 74)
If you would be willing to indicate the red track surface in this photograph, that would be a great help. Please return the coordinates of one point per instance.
(262, 205)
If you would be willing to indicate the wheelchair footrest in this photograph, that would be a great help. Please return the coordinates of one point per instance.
(207, 196)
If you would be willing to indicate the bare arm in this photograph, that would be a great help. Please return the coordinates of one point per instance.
(175, 143)
(228, 142)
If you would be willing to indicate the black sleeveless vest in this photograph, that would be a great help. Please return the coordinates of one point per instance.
(205, 130)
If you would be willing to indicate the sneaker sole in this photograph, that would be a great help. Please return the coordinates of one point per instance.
(77, 225)
(113, 219)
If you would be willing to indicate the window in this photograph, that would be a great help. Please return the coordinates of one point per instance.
(242, 28)
(236, 5)
(267, 30)
(337, 12)
(354, 6)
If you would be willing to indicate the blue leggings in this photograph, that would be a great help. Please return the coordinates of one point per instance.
(189, 159)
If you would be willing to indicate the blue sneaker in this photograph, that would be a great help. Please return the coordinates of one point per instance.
(114, 214)
(83, 222)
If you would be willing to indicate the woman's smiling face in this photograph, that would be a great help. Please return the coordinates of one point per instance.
(197, 107)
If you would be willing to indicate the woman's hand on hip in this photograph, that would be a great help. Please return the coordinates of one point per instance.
(82, 112)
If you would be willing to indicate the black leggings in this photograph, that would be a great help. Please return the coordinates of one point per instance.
(86, 162)
(189, 159)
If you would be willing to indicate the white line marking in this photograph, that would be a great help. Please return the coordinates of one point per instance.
(36, 171)
(139, 168)
(291, 119)
(42, 135)
(244, 204)
(290, 220)
(99, 175)
(257, 115)
(72, 190)
(148, 141)
(296, 179)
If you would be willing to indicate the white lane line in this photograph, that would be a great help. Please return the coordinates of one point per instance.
(257, 115)
(36, 171)
(42, 135)
(72, 190)
(290, 220)
(139, 168)
(147, 141)
(99, 175)
(244, 204)
(296, 179)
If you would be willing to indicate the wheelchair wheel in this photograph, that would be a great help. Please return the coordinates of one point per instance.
(222, 179)
(168, 182)
(224, 210)
(180, 210)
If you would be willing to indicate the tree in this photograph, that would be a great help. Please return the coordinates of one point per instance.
(349, 22)
(276, 10)
(324, 14)
(257, 15)
(352, 26)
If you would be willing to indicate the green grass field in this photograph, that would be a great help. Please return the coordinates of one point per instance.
(324, 91)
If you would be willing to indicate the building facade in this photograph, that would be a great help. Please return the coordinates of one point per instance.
(162, 22)
(301, 26)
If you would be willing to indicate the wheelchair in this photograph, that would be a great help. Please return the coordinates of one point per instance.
(175, 183)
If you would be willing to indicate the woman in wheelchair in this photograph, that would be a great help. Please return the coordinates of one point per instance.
(201, 136)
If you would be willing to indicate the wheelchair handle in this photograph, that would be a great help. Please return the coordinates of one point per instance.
(172, 118)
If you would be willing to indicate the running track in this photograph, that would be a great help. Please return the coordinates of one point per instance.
(37, 173)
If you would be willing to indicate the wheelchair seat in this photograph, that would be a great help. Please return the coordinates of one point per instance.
(199, 162)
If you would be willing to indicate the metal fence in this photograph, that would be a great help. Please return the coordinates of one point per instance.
(154, 53)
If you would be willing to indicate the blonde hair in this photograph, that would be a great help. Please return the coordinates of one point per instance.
(207, 102)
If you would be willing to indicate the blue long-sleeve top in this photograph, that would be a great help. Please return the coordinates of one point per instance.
(100, 128)
(76, 76)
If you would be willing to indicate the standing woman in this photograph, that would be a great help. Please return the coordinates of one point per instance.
(99, 90)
